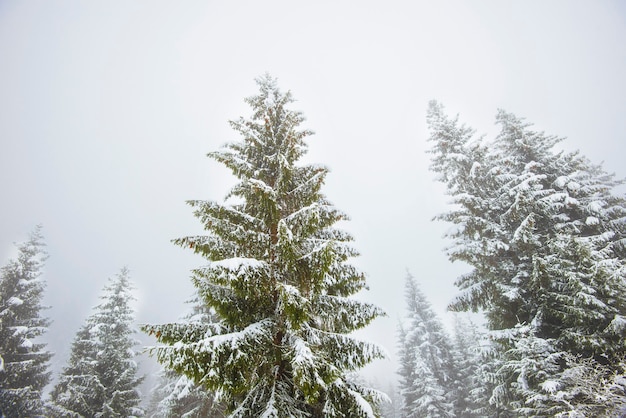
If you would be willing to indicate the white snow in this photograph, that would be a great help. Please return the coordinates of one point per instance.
(550, 386)
(303, 354)
(95, 329)
(261, 185)
(14, 301)
(618, 324)
(19, 330)
(595, 206)
(251, 332)
(237, 263)
(364, 405)
(573, 186)
(474, 168)
(285, 231)
(310, 207)
(270, 409)
(512, 293)
(560, 182)
(532, 166)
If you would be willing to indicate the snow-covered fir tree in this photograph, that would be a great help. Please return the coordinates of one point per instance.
(468, 348)
(101, 377)
(279, 279)
(428, 380)
(393, 408)
(544, 235)
(177, 395)
(24, 360)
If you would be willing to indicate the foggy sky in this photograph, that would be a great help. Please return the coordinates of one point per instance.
(108, 108)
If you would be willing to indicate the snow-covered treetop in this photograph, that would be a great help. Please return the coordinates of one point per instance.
(278, 277)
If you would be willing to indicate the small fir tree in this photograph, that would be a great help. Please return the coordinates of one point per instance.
(24, 361)
(393, 408)
(177, 395)
(428, 378)
(279, 279)
(468, 345)
(100, 379)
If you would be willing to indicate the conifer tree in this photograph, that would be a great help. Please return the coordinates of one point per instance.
(467, 352)
(177, 395)
(100, 379)
(24, 361)
(392, 409)
(279, 279)
(428, 378)
(544, 235)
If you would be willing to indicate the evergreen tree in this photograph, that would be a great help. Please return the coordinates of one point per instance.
(467, 353)
(177, 395)
(279, 280)
(100, 379)
(428, 378)
(544, 236)
(23, 360)
(393, 408)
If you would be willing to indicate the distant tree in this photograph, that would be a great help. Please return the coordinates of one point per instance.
(545, 237)
(100, 379)
(393, 408)
(468, 347)
(179, 396)
(428, 379)
(279, 280)
(23, 360)
(176, 395)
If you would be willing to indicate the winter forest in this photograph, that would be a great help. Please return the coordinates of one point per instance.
(271, 329)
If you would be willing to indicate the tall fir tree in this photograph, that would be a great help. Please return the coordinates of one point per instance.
(24, 359)
(100, 379)
(544, 235)
(428, 377)
(279, 279)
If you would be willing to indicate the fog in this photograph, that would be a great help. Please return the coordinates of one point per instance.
(107, 111)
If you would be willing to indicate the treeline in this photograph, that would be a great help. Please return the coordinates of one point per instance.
(269, 332)
(545, 237)
(100, 378)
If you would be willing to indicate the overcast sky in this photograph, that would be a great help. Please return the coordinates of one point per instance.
(108, 108)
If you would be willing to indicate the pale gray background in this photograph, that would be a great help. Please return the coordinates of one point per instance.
(107, 109)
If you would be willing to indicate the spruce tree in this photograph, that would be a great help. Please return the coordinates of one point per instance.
(279, 279)
(544, 235)
(24, 361)
(100, 379)
(428, 378)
